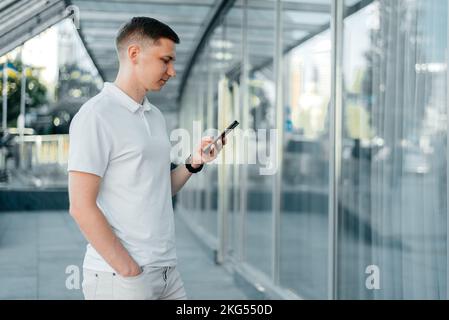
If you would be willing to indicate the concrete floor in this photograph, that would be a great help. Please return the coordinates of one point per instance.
(38, 248)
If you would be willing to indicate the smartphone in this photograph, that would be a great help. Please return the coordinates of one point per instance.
(222, 135)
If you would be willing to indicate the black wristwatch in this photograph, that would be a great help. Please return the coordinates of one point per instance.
(190, 168)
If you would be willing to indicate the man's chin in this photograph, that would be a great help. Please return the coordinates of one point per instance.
(157, 87)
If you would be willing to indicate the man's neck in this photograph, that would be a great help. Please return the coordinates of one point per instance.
(129, 87)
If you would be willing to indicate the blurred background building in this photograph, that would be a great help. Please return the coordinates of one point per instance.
(356, 207)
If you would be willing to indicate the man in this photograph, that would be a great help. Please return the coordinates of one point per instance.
(120, 184)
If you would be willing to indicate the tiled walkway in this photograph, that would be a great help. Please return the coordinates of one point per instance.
(36, 248)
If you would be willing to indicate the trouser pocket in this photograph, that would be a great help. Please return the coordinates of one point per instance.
(97, 285)
(130, 288)
(89, 284)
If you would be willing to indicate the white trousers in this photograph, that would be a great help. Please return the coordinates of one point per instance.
(154, 283)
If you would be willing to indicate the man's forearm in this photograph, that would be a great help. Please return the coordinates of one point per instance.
(98, 232)
(179, 177)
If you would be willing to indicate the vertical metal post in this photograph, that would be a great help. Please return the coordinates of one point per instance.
(236, 170)
(277, 181)
(23, 83)
(22, 113)
(223, 109)
(199, 185)
(210, 123)
(5, 97)
(223, 198)
(245, 114)
(335, 142)
(447, 166)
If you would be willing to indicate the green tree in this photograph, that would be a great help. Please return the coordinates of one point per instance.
(36, 92)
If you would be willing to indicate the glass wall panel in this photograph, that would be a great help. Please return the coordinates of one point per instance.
(259, 231)
(392, 218)
(232, 54)
(393, 200)
(216, 72)
(188, 113)
(199, 125)
(193, 118)
(305, 191)
(210, 172)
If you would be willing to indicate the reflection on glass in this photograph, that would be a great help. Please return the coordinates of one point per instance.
(392, 200)
(392, 219)
(232, 52)
(259, 231)
(304, 220)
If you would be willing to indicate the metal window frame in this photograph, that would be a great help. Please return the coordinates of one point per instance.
(277, 181)
(211, 22)
(245, 112)
(447, 174)
(337, 15)
(36, 22)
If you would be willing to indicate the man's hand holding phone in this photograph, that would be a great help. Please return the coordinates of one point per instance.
(210, 147)
(200, 157)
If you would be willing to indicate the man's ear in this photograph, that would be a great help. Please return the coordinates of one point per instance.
(133, 52)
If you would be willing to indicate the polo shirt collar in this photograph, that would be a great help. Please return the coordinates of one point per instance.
(126, 100)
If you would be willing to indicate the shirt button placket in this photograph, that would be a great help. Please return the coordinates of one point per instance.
(147, 126)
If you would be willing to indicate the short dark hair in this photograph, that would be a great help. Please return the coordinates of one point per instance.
(140, 27)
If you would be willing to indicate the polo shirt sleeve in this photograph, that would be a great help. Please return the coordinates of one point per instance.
(90, 145)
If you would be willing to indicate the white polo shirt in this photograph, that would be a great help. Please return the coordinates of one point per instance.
(127, 144)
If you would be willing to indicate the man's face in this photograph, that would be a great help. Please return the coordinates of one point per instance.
(154, 65)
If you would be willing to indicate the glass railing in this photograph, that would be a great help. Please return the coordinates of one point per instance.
(36, 161)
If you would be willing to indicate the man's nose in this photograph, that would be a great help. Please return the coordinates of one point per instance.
(171, 71)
